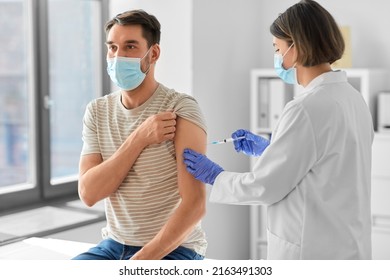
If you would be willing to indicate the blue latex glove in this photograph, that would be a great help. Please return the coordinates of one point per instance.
(201, 167)
(251, 145)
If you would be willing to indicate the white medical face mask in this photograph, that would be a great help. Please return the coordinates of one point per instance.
(287, 75)
(126, 72)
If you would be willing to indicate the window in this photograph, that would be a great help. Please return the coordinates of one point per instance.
(51, 66)
(16, 100)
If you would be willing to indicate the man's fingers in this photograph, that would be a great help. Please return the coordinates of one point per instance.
(169, 130)
(169, 123)
(167, 116)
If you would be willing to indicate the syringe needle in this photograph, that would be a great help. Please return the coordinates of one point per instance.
(227, 140)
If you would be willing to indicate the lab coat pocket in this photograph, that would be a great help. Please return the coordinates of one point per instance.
(280, 249)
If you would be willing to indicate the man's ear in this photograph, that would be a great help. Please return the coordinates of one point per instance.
(155, 53)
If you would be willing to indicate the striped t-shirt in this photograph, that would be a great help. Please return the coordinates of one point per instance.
(149, 194)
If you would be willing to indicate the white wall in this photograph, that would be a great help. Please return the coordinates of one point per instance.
(369, 22)
(174, 68)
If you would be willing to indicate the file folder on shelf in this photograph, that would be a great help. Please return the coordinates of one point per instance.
(272, 97)
(277, 100)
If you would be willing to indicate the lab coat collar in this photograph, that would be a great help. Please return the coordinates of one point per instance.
(325, 78)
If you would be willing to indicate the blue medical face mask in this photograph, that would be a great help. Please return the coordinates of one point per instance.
(126, 72)
(287, 75)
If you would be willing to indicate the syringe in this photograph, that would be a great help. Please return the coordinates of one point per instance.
(227, 140)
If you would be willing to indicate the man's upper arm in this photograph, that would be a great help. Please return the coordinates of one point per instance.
(189, 135)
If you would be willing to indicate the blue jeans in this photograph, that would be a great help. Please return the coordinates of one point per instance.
(109, 249)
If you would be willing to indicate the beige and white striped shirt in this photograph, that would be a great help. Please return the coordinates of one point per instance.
(149, 194)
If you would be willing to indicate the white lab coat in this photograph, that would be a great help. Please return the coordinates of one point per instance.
(314, 176)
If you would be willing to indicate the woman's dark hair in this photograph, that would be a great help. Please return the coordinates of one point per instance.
(314, 32)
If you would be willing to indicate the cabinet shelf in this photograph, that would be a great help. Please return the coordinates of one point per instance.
(369, 82)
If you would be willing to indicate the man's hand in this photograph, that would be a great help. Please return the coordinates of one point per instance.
(157, 128)
(201, 167)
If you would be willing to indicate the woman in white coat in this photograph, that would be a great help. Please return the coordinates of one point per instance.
(314, 175)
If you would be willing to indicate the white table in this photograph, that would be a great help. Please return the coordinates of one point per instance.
(35, 248)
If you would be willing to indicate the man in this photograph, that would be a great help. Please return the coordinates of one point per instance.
(132, 153)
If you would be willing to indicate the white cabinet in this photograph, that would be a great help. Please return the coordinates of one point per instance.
(266, 99)
(380, 197)
(370, 82)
